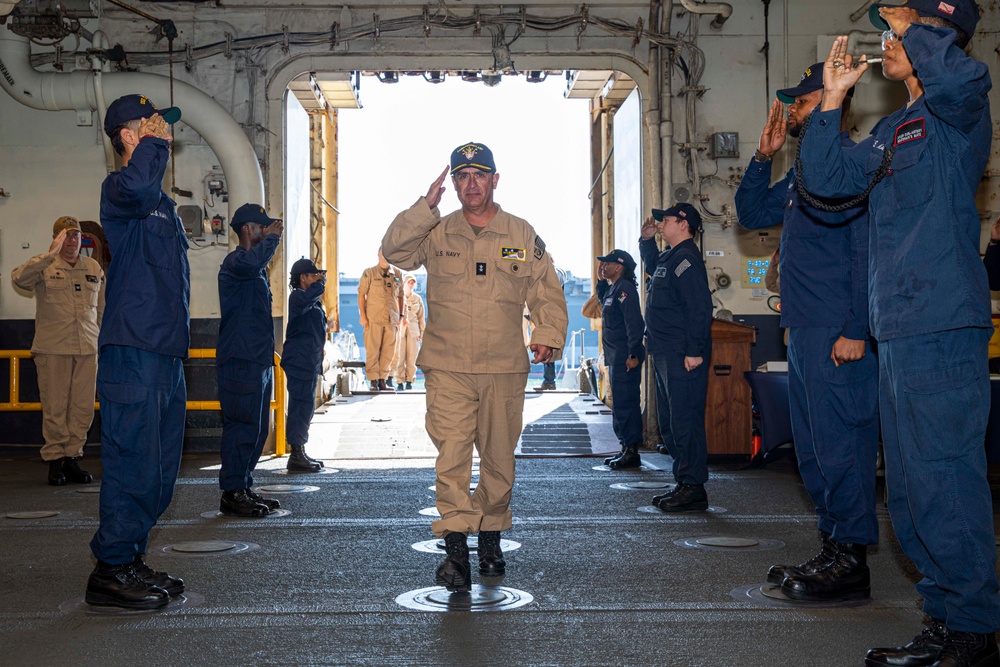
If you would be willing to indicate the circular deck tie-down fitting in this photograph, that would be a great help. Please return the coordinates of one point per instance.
(652, 509)
(273, 514)
(430, 511)
(480, 599)
(286, 471)
(726, 543)
(642, 468)
(287, 488)
(770, 595)
(209, 548)
(79, 607)
(38, 514)
(437, 546)
(96, 488)
(640, 486)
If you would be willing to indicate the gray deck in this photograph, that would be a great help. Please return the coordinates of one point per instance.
(610, 585)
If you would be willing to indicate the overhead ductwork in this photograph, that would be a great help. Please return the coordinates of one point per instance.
(57, 91)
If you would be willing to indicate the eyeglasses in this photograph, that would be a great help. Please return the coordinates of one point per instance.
(889, 36)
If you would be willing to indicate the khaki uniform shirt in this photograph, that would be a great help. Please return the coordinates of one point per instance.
(69, 303)
(414, 306)
(382, 305)
(477, 286)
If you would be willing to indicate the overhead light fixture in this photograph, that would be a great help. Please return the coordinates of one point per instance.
(492, 78)
(537, 76)
(434, 77)
(470, 76)
(388, 77)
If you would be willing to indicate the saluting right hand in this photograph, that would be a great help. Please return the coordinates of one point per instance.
(156, 126)
(437, 189)
(773, 136)
(57, 244)
(839, 73)
(648, 229)
(275, 227)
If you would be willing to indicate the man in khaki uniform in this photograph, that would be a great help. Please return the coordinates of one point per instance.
(483, 265)
(69, 298)
(411, 332)
(380, 301)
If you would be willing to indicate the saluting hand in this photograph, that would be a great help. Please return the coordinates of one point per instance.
(899, 18)
(437, 189)
(57, 244)
(839, 74)
(773, 136)
(648, 229)
(276, 227)
(156, 126)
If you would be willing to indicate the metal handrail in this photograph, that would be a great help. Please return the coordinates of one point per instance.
(277, 404)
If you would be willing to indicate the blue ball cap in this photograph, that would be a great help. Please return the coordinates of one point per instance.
(132, 107)
(250, 213)
(811, 80)
(305, 266)
(617, 256)
(474, 155)
(963, 13)
(681, 211)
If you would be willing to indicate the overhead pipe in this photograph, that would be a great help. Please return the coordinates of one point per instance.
(58, 91)
(722, 11)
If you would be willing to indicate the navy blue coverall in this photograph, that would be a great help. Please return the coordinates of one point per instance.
(824, 296)
(302, 358)
(930, 313)
(621, 337)
(144, 339)
(245, 360)
(678, 325)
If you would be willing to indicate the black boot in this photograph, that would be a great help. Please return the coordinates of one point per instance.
(454, 573)
(388, 382)
(73, 472)
(628, 459)
(620, 454)
(374, 386)
(664, 496)
(270, 503)
(299, 462)
(238, 503)
(923, 650)
(491, 562)
(685, 498)
(663, 449)
(409, 386)
(968, 649)
(172, 585)
(56, 475)
(120, 586)
(846, 577)
(382, 386)
(777, 573)
(310, 459)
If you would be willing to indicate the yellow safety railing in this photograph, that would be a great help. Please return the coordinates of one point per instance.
(278, 404)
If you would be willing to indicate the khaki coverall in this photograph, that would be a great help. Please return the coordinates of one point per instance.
(406, 348)
(382, 290)
(473, 355)
(69, 306)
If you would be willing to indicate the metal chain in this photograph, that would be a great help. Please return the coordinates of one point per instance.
(880, 173)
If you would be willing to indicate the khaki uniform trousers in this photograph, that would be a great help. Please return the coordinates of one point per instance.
(466, 410)
(380, 344)
(67, 385)
(406, 366)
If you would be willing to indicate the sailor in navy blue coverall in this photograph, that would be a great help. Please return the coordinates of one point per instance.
(245, 359)
(302, 358)
(930, 310)
(144, 339)
(832, 373)
(679, 339)
(621, 337)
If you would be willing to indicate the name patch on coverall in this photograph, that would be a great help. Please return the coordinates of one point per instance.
(911, 131)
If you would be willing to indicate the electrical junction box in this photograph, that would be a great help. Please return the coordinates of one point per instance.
(191, 219)
(724, 145)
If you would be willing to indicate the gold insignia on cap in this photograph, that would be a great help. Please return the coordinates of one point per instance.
(469, 150)
(807, 74)
(143, 99)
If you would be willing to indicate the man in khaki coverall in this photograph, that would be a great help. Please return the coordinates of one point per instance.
(69, 298)
(411, 331)
(483, 265)
(380, 301)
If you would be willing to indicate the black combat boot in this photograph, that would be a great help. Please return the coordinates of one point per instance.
(374, 386)
(73, 472)
(491, 562)
(56, 475)
(299, 462)
(777, 573)
(120, 586)
(454, 573)
(846, 577)
(664, 496)
(271, 503)
(238, 503)
(382, 386)
(663, 449)
(685, 498)
(172, 585)
(409, 386)
(922, 651)
(628, 459)
(620, 454)
(388, 383)
(968, 649)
